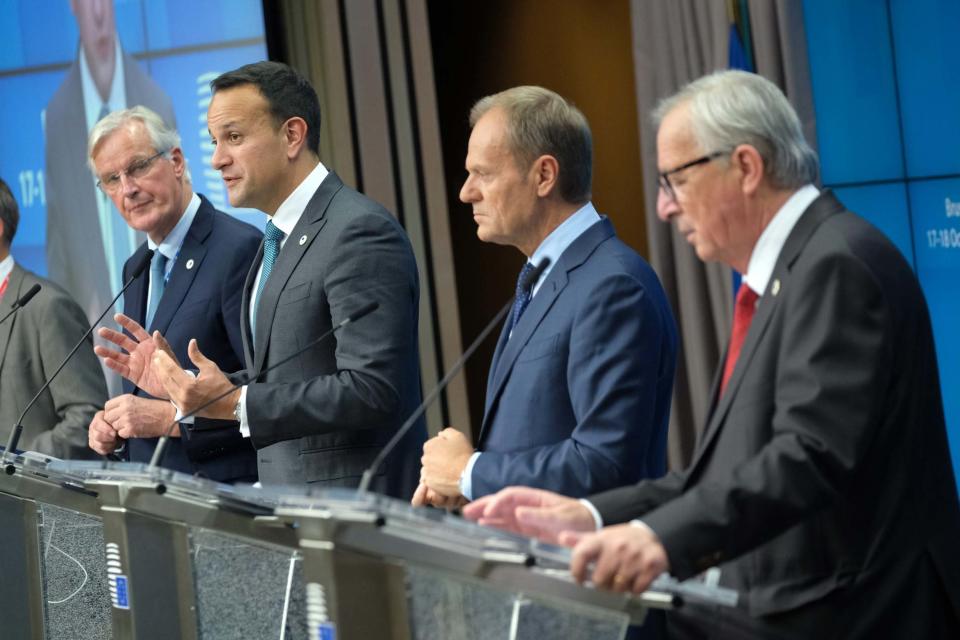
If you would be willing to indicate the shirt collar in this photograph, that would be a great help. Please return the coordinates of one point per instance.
(171, 244)
(764, 256)
(289, 212)
(562, 237)
(6, 266)
(91, 97)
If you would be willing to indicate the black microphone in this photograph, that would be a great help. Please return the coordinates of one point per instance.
(527, 283)
(353, 317)
(18, 428)
(22, 302)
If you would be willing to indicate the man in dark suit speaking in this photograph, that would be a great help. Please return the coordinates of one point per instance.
(192, 290)
(328, 251)
(821, 487)
(578, 394)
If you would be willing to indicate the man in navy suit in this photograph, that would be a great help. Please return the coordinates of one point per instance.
(578, 394)
(192, 290)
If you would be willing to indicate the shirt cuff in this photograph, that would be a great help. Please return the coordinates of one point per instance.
(643, 525)
(597, 520)
(466, 477)
(244, 423)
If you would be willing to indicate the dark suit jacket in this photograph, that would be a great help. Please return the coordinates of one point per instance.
(75, 254)
(578, 398)
(33, 343)
(322, 417)
(202, 301)
(822, 484)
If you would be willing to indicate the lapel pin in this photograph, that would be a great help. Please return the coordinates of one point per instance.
(303, 240)
(775, 288)
(189, 264)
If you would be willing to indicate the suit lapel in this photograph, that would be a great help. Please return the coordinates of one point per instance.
(294, 248)
(245, 310)
(509, 348)
(14, 287)
(191, 253)
(820, 209)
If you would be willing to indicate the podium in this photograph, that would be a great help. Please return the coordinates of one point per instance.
(112, 550)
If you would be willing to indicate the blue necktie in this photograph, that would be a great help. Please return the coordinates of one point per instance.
(523, 295)
(272, 236)
(158, 269)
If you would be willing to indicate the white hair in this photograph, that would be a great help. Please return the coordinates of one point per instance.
(162, 137)
(729, 108)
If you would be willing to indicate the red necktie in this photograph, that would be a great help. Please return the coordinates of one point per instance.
(3, 286)
(742, 315)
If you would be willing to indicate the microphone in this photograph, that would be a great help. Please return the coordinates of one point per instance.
(22, 302)
(527, 283)
(356, 315)
(18, 428)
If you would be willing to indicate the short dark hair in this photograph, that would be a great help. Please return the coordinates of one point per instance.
(9, 213)
(287, 92)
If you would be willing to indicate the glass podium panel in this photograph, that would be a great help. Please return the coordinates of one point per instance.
(246, 590)
(76, 597)
(442, 606)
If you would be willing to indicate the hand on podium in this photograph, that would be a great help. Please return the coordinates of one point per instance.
(132, 360)
(623, 557)
(135, 417)
(101, 436)
(445, 456)
(531, 512)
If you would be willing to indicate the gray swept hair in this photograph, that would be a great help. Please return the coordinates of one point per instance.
(162, 137)
(541, 122)
(729, 108)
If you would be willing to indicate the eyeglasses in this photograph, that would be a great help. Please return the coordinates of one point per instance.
(664, 178)
(136, 170)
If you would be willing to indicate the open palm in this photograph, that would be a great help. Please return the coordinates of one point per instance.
(132, 360)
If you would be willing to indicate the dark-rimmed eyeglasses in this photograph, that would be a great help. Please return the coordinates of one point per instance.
(664, 178)
(134, 171)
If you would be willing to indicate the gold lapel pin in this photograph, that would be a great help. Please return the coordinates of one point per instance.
(775, 288)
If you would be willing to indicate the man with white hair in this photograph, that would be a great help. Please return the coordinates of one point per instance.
(821, 487)
(192, 290)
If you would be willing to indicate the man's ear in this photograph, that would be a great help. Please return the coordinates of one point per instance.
(546, 172)
(295, 135)
(751, 165)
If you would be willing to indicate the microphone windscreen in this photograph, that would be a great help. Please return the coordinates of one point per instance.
(143, 264)
(25, 298)
(534, 275)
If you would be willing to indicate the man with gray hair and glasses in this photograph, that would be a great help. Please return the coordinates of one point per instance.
(821, 488)
(192, 290)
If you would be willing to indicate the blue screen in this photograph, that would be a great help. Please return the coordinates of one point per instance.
(886, 93)
(181, 44)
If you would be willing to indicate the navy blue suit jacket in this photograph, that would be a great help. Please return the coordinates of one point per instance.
(202, 301)
(579, 397)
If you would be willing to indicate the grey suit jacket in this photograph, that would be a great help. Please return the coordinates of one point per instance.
(32, 345)
(75, 254)
(322, 417)
(822, 484)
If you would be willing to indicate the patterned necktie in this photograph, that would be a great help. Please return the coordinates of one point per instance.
(744, 309)
(272, 237)
(158, 272)
(523, 295)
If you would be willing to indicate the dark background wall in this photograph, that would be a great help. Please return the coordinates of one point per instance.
(581, 50)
